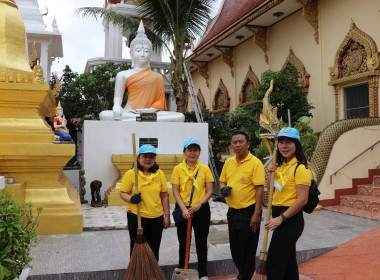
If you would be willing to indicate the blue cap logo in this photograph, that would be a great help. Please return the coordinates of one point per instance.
(191, 141)
(147, 149)
(289, 132)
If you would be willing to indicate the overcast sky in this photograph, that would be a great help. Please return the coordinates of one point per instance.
(82, 38)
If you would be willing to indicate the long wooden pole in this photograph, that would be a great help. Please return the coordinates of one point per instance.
(270, 198)
(136, 179)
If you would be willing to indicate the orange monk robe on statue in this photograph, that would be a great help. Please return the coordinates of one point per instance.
(146, 89)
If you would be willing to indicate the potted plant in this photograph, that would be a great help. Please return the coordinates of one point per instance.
(17, 232)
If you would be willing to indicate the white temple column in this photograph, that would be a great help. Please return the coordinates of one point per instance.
(114, 41)
(44, 62)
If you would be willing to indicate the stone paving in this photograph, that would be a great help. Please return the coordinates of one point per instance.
(104, 245)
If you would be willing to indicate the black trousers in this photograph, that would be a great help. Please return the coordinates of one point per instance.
(201, 225)
(152, 228)
(282, 261)
(243, 240)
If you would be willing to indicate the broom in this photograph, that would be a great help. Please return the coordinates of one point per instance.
(142, 264)
(261, 268)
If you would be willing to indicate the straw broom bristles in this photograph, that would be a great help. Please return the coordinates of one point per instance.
(143, 264)
(261, 268)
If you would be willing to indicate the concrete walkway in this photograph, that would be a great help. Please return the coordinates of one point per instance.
(105, 254)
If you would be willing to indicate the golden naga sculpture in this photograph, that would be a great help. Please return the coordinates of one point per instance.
(34, 58)
(268, 118)
(57, 88)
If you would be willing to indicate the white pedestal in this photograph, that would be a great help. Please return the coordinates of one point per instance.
(102, 139)
(2, 182)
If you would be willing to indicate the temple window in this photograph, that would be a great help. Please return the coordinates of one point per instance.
(356, 101)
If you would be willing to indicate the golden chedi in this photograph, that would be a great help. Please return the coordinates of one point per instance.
(27, 151)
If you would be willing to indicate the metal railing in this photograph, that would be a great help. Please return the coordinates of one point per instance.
(347, 163)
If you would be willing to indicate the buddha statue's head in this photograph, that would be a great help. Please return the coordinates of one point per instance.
(140, 43)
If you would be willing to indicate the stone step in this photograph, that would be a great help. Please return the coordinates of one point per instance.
(362, 202)
(354, 212)
(369, 190)
(376, 180)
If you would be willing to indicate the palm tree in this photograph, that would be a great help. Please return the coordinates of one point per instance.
(172, 23)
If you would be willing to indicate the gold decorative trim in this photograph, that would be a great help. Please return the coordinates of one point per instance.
(201, 100)
(250, 79)
(310, 13)
(221, 103)
(297, 63)
(336, 89)
(373, 96)
(203, 71)
(260, 38)
(227, 57)
(9, 2)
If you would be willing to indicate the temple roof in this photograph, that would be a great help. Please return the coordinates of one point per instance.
(230, 13)
(232, 26)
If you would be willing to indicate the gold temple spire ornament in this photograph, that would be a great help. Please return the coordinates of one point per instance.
(13, 65)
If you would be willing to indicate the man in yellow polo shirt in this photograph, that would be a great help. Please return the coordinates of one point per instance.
(241, 183)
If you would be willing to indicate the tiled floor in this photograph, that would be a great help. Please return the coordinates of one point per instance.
(354, 212)
(110, 218)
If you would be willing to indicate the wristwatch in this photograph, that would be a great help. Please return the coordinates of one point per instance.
(284, 219)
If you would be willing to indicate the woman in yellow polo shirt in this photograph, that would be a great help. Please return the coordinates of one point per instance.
(187, 173)
(290, 196)
(153, 198)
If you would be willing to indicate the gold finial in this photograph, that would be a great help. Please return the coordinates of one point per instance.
(59, 107)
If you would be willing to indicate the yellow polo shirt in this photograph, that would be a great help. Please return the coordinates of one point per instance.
(204, 176)
(243, 178)
(288, 194)
(150, 206)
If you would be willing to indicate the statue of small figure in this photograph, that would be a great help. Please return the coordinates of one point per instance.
(60, 123)
(82, 189)
(146, 89)
(96, 200)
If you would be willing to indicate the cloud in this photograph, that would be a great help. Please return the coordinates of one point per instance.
(82, 38)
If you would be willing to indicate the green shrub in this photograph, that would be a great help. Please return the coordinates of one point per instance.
(17, 232)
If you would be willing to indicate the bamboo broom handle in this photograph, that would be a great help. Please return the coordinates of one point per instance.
(136, 179)
(271, 190)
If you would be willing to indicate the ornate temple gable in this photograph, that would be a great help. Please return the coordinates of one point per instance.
(250, 82)
(203, 70)
(227, 57)
(357, 59)
(310, 13)
(221, 103)
(201, 99)
(297, 63)
(260, 38)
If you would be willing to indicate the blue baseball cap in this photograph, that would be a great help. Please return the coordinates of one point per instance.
(191, 141)
(289, 132)
(147, 149)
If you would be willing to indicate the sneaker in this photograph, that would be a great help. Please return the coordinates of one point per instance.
(203, 278)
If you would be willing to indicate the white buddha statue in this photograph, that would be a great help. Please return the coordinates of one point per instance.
(146, 89)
